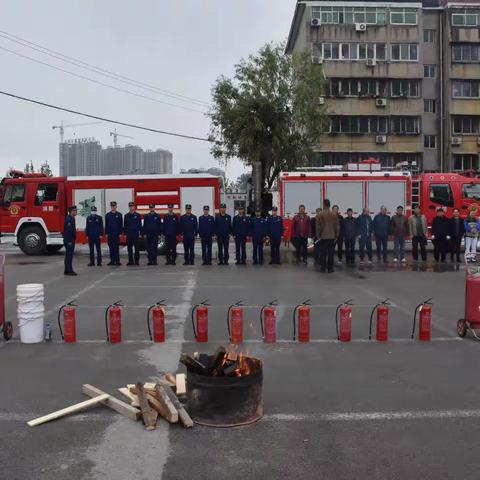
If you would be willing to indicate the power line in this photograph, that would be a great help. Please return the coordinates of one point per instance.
(98, 82)
(93, 68)
(103, 119)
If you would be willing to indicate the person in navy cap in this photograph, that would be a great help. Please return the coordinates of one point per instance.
(275, 233)
(171, 226)
(113, 230)
(241, 228)
(223, 230)
(94, 232)
(189, 230)
(152, 228)
(132, 225)
(69, 236)
(259, 231)
(206, 231)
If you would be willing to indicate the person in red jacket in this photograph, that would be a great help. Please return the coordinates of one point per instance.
(300, 233)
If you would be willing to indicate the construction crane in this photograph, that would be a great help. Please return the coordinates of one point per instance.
(115, 136)
(62, 127)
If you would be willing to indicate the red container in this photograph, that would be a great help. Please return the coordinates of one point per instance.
(115, 324)
(158, 324)
(382, 323)
(236, 324)
(472, 301)
(269, 324)
(424, 323)
(69, 325)
(303, 320)
(201, 313)
(345, 323)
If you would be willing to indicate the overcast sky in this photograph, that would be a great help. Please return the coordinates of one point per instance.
(180, 46)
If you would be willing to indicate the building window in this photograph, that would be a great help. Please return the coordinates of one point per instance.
(405, 88)
(405, 125)
(350, 51)
(429, 71)
(462, 162)
(466, 88)
(466, 53)
(349, 15)
(465, 17)
(403, 16)
(358, 125)
(430, 141)
(466, 125)
(429, 36)
(429, 106)
(404, 52)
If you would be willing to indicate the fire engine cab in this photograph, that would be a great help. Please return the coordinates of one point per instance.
(366, 185)
(33, 206)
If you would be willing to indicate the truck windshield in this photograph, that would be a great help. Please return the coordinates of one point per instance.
(471, 190)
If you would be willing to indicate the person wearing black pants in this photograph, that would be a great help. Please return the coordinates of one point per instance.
(339, 240)
(381, 227)
(457, 231)
(275, 233)
(418, 230)
(349, 237)
(316, 241)
(301, 227)
(327, 232)
(440, 235)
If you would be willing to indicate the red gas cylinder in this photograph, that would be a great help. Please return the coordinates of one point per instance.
(114, 334)
(158, 323)
(345, 323)
(303, 321)
(201, 320)
(269, 324)
(69, 325)
(382, 323)
(424, 322)
(235, 323)
(472, 301)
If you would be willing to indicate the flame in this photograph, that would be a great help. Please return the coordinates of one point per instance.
(241, 357)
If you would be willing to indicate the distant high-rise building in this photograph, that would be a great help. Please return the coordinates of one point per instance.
(86, 157)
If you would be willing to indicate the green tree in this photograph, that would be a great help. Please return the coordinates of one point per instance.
(269, 112)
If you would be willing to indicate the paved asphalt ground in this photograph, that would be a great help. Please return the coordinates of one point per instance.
(363, 410)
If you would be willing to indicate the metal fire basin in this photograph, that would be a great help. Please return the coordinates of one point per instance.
(226, 401)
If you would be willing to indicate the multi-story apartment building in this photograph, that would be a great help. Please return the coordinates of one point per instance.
(81, 156)
(402, 80)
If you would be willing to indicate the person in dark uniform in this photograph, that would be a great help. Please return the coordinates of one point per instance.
(339, 242)
(189, 230)
(152, 228)
(132, 224)
(259, 231)
(457, 231)
(94, 232)
(171, 225)
(440, 235)
(206, 231)
(69, 236)
(241, 229)
(223, 230)
(113, 229)
(275, 233)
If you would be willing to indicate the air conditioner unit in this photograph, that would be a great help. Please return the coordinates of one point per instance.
(315, 22)
(317, 60)
(371, 62)
(381, 102)
(321, 100)
(361, 27)
(381, 139)
(456, 141)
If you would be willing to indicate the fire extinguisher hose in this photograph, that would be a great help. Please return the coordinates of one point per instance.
(385, 302)
(273, 302)
(59, 322)
(306, 302)
(106, 317)
(417, 308)
(348, 302)
(193, 313)
(158, 304)
(238, 304)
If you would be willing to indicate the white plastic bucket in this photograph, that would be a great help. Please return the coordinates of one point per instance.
(31, 312)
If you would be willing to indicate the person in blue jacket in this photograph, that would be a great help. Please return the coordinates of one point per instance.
(259, 232)
(364, 228)
(381, 228)
(241, 229)
(189, 231)
(113, 230)
(69, 236)
(132, 224)
(152, 228)
(171, 228)
(275, 233)
(94, 232)
(223, 230)
(206, 231)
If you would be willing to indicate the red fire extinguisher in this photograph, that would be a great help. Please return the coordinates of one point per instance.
(158, 322)
(235, 322)
(343, 315)
(301, 316)
(381, 329)
(69, 331)
(200, 311)
(113, 322)
(268, 322)
(424, 310)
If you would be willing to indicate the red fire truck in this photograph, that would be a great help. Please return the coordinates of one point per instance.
(365, 185)
(33, 206)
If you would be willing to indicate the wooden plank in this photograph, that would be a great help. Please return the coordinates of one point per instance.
(151, 391)
(170, 415)
(180, 381)
(68, 410)
(182, 413)
(131, 396)
(114, 403)
(149, 415)
(171, 412)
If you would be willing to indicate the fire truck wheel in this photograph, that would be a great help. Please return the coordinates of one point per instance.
(461, 328)
(54, 248)
(7, 331)
(32, 241)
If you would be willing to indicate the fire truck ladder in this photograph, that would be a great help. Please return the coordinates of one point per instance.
(415, 192)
